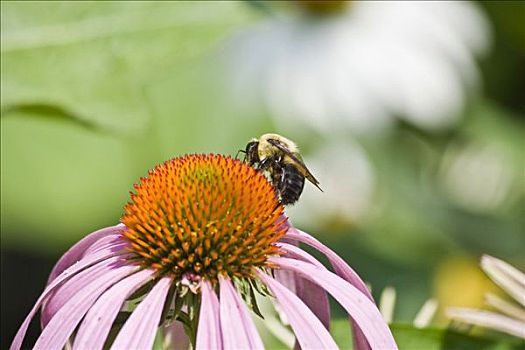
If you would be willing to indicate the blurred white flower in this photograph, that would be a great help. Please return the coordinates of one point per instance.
(509, 317)
(348, 181)
(357, 69)
(478, 177)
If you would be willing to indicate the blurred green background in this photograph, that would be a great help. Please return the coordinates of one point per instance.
(96, 93)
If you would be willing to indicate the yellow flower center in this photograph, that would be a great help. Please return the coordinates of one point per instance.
(205, 215)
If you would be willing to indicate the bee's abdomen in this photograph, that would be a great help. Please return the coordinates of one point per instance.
(291, 184)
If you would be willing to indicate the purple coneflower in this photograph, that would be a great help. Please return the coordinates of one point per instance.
(200, 236)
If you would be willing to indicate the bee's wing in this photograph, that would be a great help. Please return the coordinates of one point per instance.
(298, 162)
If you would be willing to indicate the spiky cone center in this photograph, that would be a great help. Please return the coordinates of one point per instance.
(204, 215)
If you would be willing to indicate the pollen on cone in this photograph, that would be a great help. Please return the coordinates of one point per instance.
(206, 215)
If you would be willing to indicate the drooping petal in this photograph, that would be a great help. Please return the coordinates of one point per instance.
(363, 311)
(139, 330)
(309, 331)
(342, 269)
(295, 252)
(209, 330)
(97, 323)
(488, 319)
(175, 336)
(237, 327)
(316, 299)
(80, 267)
(359, 341)
(310, 293)
(75, 284)
(114, 241)
(64, 322)
(287, 279)
(76, 252)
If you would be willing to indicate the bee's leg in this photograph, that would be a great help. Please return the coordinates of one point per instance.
(241, 151)
(265, 164)
(277, 177)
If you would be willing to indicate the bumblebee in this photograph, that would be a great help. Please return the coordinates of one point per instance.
(281, 159)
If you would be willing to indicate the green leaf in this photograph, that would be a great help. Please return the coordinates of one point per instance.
(411, 338)
(95, 59)
(408, 337)
(246, 289)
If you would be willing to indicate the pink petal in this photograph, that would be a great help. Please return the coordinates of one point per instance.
(71, 271)
(342, 269)
(139, 330)
(309, 331)
(311, 294)
(237, 327)
(97, 323)
(287, 279)
(110, 241)
(340, 266)
(295, 252)
(209, 329)
(76, 252)
(65, 292)
(359, 339)
(356, 303)
(316, 299)
(175, 336)
(64, 322)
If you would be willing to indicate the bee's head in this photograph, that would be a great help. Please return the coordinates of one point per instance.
(252, 152)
